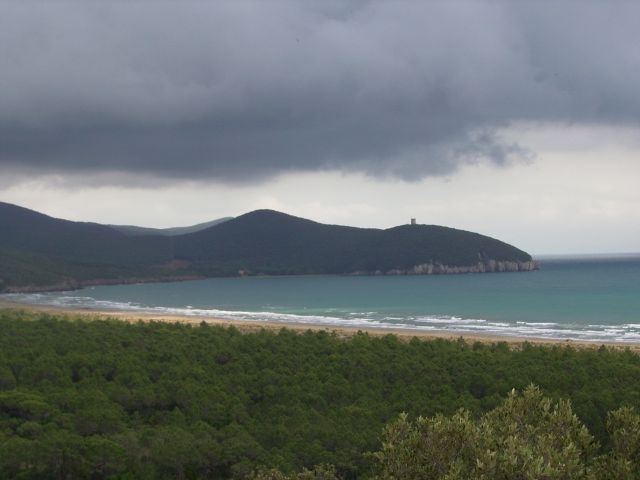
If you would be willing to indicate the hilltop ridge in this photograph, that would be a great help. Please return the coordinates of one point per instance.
(169, 232)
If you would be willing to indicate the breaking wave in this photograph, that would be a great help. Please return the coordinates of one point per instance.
(627, 332)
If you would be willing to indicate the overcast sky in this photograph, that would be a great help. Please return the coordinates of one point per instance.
(518, 120)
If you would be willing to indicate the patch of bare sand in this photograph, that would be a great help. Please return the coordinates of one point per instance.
(342, 331)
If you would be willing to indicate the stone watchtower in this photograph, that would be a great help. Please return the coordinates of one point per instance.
(413, 221)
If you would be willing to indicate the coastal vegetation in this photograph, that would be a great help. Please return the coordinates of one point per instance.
(97, 398)
(38, 252)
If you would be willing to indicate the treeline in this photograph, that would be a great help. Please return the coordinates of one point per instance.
(109, 399)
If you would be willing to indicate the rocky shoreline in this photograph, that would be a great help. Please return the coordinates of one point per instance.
(487, 266)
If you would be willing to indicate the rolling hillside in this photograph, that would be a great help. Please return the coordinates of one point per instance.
(269, 242)
(29, 231)
(38, 251)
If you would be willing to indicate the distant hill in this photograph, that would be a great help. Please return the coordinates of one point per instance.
(169, 232)
(39, 252)
(269, 242)
(29, 231)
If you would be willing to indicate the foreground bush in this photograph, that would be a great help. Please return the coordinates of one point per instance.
(527, 437)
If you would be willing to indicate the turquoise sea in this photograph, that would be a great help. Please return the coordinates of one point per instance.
(589, 298)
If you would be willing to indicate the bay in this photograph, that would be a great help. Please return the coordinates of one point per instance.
(588, 298)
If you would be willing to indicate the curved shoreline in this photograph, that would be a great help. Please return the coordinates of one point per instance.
(249, 326)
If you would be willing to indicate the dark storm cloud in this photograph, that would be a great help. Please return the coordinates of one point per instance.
(240, 90)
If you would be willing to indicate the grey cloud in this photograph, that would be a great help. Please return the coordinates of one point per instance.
(240, 91)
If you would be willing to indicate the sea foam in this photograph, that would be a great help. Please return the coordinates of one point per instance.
(628, 332)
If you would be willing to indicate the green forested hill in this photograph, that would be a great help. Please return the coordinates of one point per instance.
(109, 399)
(29, 231)
(270, 242)
(38, 250)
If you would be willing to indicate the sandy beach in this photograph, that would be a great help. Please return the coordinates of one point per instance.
(342, 331)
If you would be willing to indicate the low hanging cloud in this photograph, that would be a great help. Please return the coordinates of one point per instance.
(240, 91)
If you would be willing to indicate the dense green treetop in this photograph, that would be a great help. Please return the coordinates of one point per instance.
(106, 398)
